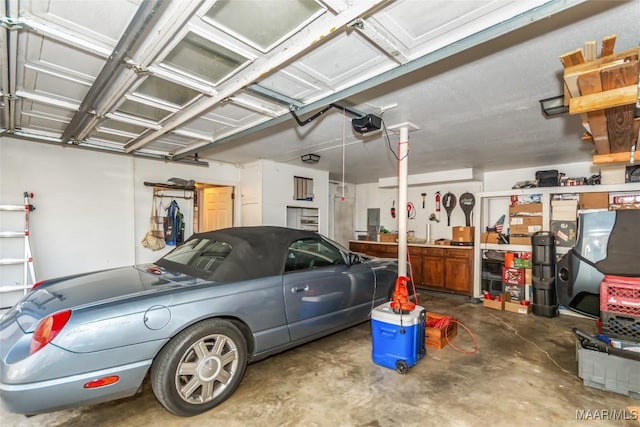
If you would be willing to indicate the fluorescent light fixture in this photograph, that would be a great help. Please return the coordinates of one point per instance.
(553, 106)
(310, 158)
(430, 178)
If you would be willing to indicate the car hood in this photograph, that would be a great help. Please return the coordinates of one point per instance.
(89, 289)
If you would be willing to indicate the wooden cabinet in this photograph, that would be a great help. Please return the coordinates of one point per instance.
(458, 267)
(433, 275)
(439, 268)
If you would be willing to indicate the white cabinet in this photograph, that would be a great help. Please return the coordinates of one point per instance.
(496, 203)
(302, 218)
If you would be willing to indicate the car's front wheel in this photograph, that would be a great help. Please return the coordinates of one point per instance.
(200, 367)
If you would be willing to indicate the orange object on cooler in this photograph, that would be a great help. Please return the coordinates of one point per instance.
(400, 301)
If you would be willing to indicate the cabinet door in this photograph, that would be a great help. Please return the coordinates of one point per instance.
(458, 271)
(416, 268)
(433, 271)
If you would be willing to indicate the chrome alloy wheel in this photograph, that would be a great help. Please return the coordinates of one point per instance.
(206, 368)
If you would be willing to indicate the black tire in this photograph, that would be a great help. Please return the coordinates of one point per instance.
(200, 367)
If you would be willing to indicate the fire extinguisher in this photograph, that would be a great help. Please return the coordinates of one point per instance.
(438, 204)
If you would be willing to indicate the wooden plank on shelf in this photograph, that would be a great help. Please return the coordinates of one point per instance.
(587, 137)
(571, 75)
(620, 120)
(590, 50)
(590, 83)
(604, 159)
(607, 99)
(573, 58)
(608, 43)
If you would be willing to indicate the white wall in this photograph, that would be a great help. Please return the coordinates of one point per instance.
(371, 196)
(92, 209)
(504, 180)
(277, 192)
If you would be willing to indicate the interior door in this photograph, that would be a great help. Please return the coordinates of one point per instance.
(217, 208)
(321, 291)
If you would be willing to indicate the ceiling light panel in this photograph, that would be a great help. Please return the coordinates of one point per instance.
(204, 59)
(262, 24)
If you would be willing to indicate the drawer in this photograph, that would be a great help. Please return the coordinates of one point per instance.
(459, 253)
(435, 251)
(358, 247)
(387, 249)
(417, 251)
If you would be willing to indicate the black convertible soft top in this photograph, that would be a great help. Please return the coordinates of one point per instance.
(258, 251)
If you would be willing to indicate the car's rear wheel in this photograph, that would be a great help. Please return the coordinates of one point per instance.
(200, 367)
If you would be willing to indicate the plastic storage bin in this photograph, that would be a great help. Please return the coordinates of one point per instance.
(397, 339)
(608, 372)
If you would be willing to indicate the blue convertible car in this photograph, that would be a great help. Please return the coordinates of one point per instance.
(190, 322)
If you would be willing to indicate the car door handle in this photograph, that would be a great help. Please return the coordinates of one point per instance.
(297, 289)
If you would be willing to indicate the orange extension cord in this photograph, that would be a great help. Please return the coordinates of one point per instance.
(444, 324)
(445, 321)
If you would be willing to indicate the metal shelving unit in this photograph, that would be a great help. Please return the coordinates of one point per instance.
(483, 219)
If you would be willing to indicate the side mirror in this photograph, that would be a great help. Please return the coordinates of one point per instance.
(354, 258)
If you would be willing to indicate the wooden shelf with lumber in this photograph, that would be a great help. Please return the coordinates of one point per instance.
(604, 92)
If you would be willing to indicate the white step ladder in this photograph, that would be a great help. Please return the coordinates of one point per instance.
(28, 274)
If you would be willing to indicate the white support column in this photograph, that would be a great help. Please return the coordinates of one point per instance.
(403, 155)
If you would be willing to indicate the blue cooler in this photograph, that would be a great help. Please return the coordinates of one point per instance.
(398, 339)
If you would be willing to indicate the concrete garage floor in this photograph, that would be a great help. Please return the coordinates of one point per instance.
(523, 375)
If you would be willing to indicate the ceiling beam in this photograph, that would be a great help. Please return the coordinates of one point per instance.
(538, 13)
(318, 32)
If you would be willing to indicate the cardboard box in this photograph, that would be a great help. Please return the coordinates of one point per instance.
(599, 200)
(524, 229)
(613, 174)
(525, 220)
(439, 337)
(516, 307)
(514, 240)
(565, 233)
(513, 276)
(463, 234)
(515, 292)
(492, 303)
(527, 208)
(528, 276)
(489, 237)
(388, 237)
(564, 210)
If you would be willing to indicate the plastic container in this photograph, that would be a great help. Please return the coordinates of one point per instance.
(397, 339)
(620, 295)
(608, 372)
(621, 326)
(545, 302)
(543, 254)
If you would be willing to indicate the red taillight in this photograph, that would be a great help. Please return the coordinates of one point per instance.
(35, 285)
(47, 329)
(102, 382)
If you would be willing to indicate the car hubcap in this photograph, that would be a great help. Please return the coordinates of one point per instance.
(206, 368)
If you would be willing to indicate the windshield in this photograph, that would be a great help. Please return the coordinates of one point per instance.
(201, 256)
